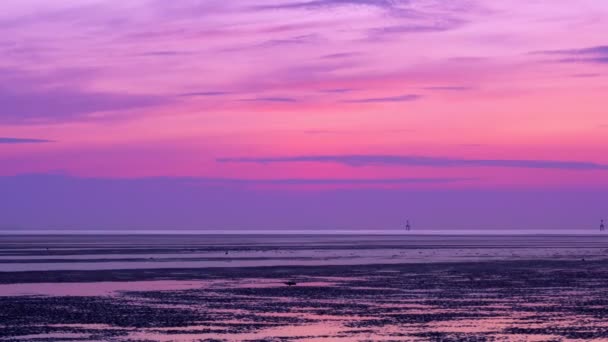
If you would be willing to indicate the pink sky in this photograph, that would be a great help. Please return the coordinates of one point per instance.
(462, 94)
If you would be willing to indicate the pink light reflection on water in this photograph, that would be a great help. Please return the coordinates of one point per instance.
(115, 288)
(331, 331)
(96, 289)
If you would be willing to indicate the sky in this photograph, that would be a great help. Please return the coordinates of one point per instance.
(303, 114)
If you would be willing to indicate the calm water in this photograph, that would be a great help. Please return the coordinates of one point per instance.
(145, 251)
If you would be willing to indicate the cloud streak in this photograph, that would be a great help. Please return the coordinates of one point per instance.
(594, 50)
(205, 94)
(594, 54)
(271, 99)
(449, 88)
(314, 4)
(330, 181)
(337, 90)
(416, 28)
(5, 140)
(59, 105)
(440, 162)
(341, 55)
(58, 97)
(400, 98)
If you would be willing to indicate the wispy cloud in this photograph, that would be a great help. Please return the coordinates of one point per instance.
(314, 4)
(441, 162)
(61, 105)
(594, 50)
(341, 55)
(205, 93)
(213, 181)
(33, 98)
(594, 54)
(586, 75)
(4, 140)
(305, 39)
(167, 53)
(423, 27)
(302, 39)
(331, 181)
(448, 88)
(598, 60)
(400, 98)
(270, 99)
(338, 90)
(354, 132)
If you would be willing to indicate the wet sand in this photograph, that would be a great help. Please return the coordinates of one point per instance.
(559, 294)
(111, 252)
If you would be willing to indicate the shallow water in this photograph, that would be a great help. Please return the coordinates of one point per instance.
(115, 288)
(109, 252)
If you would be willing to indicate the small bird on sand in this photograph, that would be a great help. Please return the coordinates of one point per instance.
(290, 283)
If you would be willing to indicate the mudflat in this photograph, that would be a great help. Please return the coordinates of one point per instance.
(559, 294)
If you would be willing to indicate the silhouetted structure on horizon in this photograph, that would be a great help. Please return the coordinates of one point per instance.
(602, 227)
(407, 226)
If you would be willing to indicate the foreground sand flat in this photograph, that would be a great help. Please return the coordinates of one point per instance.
(550, 297)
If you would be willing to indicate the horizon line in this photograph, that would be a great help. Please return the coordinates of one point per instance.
(517, 231)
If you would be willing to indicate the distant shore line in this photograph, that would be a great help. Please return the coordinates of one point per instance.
(449, 232)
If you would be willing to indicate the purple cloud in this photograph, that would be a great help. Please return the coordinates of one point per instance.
(341, 55)
(351, 132)
(322, 181)
(205, 93)
(594, 54)
(60, 105)
(272, 43)
(302, 39)
(423, 27)
(400, 98)
(338, 90)
(598, 60)
(585, 75)
(595, 50)
(4, 140)
(314, 4)
(449, 88)
(27, 98)
(167, 53)
(271, 99)
(442, 162)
